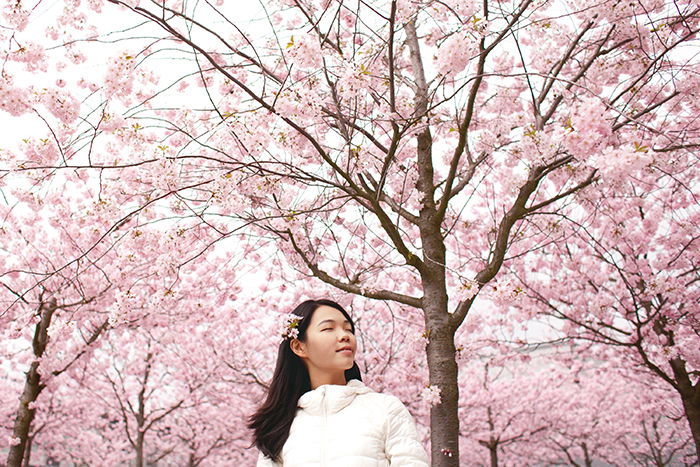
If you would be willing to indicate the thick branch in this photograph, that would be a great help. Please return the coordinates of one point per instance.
(348, 287)
(515, 213)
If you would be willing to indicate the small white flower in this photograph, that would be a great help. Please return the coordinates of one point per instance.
(431, 394)
(425, 337)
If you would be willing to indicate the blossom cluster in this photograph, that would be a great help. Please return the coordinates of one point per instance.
(289, 326)
(467, 290)
(431, 395)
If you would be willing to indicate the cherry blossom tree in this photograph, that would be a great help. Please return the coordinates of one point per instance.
(153, 401)
(550, 407)
(75, 267)
(506, 412)
(633, 255)
(396, 150)
(606, 415)
(44, 300)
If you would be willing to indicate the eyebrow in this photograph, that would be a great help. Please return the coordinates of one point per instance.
(325, 321)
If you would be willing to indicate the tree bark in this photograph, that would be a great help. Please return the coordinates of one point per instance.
(690, 395)
(32, 386)
(493, 451)
(492, 446)
(444, 422)
(493, 442)
(586, 455)
(692, 413)
(28, 452)
(141, 415)
(139, 449)
(442, 366)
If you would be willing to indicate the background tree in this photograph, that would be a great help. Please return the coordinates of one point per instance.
(73, 269)
(634, 255)
(607, 415)
(48, 320)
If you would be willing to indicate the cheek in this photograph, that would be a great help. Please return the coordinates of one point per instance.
(323, 346)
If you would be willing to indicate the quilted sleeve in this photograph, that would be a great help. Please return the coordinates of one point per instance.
(264, 461)
(402, 445)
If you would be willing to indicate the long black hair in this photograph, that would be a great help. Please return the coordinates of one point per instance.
(272, 421)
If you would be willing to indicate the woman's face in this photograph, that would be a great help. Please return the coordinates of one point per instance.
(330, 344)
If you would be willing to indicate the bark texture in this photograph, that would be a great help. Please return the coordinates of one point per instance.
(32, 387)
(690, 395)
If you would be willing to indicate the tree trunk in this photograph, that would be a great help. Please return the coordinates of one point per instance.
(492, 446)
(28, 452)
(493, 451)
(32, 387)
(692, 413)
(690, 395)
(442, 366)
(586, 455)
(139, 448)
(444, 422)
(493, 442)
(141, 415)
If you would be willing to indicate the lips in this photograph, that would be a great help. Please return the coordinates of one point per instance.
(347, 347)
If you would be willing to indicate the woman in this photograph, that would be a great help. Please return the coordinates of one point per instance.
(318, 412)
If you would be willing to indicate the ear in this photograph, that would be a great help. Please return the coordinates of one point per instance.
(298, 348)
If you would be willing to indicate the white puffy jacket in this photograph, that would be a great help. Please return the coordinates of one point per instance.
(350, 426)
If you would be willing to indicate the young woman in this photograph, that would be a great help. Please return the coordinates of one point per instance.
(318, 412)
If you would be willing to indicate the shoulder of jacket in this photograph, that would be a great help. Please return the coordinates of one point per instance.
(382, 402)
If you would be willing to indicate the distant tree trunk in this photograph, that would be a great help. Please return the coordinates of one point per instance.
(492, 446)
(141, 415)
(32, 387)
(493, 442)
(586, 455)
(139, 449)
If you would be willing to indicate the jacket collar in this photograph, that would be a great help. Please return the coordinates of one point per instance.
(331, 398)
